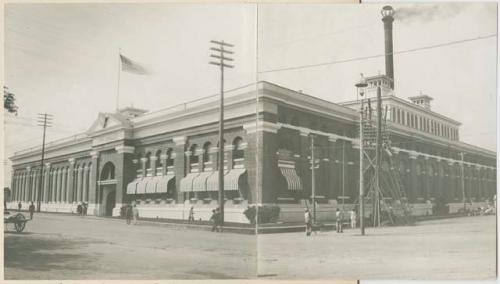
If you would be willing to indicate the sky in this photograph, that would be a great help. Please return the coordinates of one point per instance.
(63, 58)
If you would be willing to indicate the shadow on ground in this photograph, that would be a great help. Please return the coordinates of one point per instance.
(42, 254)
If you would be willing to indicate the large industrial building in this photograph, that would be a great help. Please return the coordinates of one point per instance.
(166, 161)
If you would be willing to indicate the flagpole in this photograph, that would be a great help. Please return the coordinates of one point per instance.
(119, 74)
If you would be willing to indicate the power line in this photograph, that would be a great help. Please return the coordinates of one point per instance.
(380, 55)
(327, 34)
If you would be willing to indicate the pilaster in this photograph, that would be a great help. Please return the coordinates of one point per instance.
(46, 183)
(70, 185)
(94, 167)
(180, 164)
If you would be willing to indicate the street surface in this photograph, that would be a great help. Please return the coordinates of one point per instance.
(459, 248)
(72, 247)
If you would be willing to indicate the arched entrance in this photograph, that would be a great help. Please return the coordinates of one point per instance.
(107, 190)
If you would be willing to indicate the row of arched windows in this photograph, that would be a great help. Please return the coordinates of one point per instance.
(165, 158)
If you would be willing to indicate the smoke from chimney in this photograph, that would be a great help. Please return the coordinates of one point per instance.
(427, 12)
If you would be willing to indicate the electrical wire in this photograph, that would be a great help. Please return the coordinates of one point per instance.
(379, 55)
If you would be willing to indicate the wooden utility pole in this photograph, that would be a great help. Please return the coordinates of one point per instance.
(221, 55)
(313, 179)
(44, 120)
(463, 178)
(378, 159)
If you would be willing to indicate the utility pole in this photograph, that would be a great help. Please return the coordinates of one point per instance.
(44, 120)
(221, 55)
(378, 159)
(313, 179)
(360, 86)
(343, 176)
(463, 177)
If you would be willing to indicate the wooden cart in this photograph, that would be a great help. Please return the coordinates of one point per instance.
(19, 220)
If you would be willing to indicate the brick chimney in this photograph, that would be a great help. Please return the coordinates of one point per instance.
(387, 17)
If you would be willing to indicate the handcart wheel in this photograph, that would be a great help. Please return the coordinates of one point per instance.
(20, 223)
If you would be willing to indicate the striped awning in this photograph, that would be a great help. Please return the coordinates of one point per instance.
(200, 182)
(151, 185)
(187, 182)
(132, 187)
(163, 184)
(230, 180)
(141, 186)
(292, 179)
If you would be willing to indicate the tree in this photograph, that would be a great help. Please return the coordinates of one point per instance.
(9, 101)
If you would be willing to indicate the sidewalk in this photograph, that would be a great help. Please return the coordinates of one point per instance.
(269, 228)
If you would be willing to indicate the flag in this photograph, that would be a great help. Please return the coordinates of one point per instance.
(132, 67)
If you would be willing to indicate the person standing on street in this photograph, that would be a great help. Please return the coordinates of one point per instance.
(31, 210)
(128, 213)
(191, 215)
(339, 218)
(215, 219)
(135, 213)
(19, 205)
(353, 219)
(308, 220)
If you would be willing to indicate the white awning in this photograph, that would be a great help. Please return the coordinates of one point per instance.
(163, 184)
(151, 185)
(141, 186)
(292, 179)
(200, 182)
(232, 179)
(213, 181)
(187, 182)
(132, 187)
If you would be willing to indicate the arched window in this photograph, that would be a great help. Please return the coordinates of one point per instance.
(148, 160)
(194, 158)
(158, 159)
(206, 148)
(108, 171)
(170, 161)
(238, 148)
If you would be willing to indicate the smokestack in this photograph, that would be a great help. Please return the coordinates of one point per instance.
(387, 17)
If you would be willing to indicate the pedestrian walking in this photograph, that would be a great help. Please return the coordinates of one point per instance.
(339, 216)
(135, 213)
(19, 205)
(191, 215)
(308, 221)
(85, 206)
(31, 210)
(79, 209)
(128, 213)
(353, 219)
(215, 219)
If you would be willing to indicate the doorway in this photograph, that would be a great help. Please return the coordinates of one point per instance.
(110, 203)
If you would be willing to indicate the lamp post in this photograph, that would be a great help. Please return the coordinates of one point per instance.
(360, 86)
